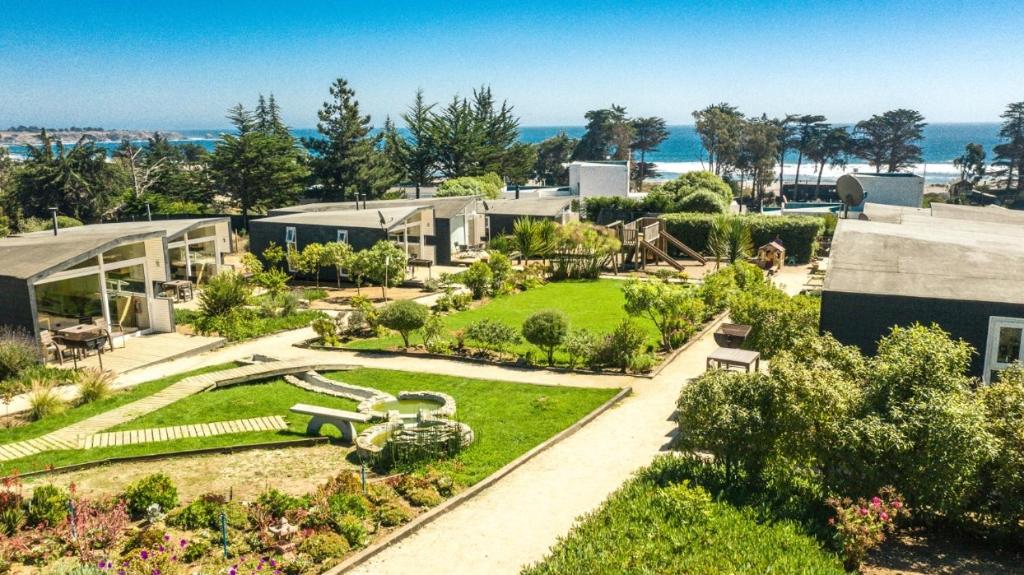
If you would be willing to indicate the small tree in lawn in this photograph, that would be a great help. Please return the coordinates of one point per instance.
(386, 263)
(358, 265)
(478, 278)
(337, 255)
(546, 329)
(312, 259)
(672, 308)
(273, 255)
(405, 317)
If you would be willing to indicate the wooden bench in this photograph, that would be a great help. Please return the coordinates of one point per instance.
(344, 420)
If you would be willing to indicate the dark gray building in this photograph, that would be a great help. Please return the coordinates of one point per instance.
(961, 267)
(502, 214)
(457, 222)
(411, 227)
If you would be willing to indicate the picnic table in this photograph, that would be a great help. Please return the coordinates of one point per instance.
(421, 263)
(732, 334)
(82, 338)
(727, 357)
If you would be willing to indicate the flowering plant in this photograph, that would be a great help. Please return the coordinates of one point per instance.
(862, 525)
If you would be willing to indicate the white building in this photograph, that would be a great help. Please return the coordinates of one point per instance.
(590, 179)
(905, 190)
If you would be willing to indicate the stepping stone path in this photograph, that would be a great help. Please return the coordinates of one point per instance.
(152, 435)
(77, 435)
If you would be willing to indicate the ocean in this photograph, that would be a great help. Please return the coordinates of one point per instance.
(682, 151)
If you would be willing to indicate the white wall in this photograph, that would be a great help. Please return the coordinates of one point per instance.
(901, 190)
(589, 179)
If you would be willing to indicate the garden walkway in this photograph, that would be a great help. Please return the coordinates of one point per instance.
(516, 520)
(76, 435)
(154, 434)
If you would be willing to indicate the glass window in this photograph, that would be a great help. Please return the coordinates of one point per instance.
(176, 258)
(1008, 346)
(68, 302)
(89, 263)
(343, 236)
(125, 252)
(204, 260)
(131, 279)
(203, 232)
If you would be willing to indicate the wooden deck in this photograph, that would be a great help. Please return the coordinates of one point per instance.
(146, 350)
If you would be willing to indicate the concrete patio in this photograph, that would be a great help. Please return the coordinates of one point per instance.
(145, 350)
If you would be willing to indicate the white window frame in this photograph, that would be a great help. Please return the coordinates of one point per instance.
(343, 236)
(996, 323)
(290, 245)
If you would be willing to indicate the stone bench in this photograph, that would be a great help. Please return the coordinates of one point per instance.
(344, 420)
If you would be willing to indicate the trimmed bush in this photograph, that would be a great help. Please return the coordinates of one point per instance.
(704, 202)
(492, 334)
(799, 234)
(546, 329)
(18, 351)
(156, 488)
(48, 506)
(478, 278)
(323, 546)
(405, 317)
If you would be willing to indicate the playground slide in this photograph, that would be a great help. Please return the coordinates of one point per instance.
(683, 247)
(662, 255)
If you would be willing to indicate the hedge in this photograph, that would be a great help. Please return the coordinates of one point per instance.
(650, 526)
(799, 234)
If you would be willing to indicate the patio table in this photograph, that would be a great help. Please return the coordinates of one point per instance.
(732, 334)
(83, 338)
(726, 357)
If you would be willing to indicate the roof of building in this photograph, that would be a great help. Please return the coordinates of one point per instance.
(171, 228)
(368, 218)
(551, 206)
(928, 254)
(444, 208)
(33, 255)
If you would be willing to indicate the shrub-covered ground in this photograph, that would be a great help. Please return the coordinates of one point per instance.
(508, 418)
(657, 524)
(594, 305)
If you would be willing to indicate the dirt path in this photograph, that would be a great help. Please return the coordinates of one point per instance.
(515, 521)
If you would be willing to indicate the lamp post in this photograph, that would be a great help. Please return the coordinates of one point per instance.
(387, 264)
(53, 214)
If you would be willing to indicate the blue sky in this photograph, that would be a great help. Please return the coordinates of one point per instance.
(177, 65)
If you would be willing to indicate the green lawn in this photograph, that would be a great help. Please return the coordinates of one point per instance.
(594, 305)
(508, 418)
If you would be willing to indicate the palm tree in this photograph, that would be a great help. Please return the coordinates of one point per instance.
(808, 127)
(828, 146)
(730, 239)
(526, 237)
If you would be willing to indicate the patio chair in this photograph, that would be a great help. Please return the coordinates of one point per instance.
(109, 330)
(52, 345)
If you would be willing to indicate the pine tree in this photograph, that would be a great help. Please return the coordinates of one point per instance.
(416, 153)
(1010, 153)
(340, 156)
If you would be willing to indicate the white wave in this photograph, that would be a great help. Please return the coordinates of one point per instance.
(932, 172)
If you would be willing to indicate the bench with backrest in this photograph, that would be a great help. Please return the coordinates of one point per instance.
(344, 420)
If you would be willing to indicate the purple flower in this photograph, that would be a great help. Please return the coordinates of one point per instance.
(233, 571)
(161, 548)
(167, 537)
(102, 564)
(182, 543)
(144, 554)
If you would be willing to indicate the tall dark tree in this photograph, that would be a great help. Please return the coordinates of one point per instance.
(720, 127)
(77, 179)
(608, 136)
(785, 134)
(759, 146)
(648, 134)
(809, 128)
(828, 145)
(1010, 153)
(552, 156)
(415, 152)
(257, 169)
(971, 163)
(890, 140)
(340, 156)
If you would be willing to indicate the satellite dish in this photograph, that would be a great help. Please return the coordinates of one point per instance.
(850, 190)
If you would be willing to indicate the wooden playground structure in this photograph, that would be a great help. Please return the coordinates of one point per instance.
(645, 240)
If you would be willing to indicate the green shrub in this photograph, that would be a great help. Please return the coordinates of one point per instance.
(579, 345)
(327, 329)
(619, 348)
(424, 497)
(94, 384)
(675, 309)
(195, 550)
(405, 317)
(1004, 408)
(349, 504)
(156, 488)
(501, 271)
(274, 281)
(492, 334)
(704, 202)
(489, 186)
(278, 503)
(452, 301)
(654, 527)
(777, 320)
(435, 335)
(324, 546)
(48, 506)
(477, 278)
(352, 529)
(202, 513)
(547, 330)
(393, 513)
(223, 293)
(18, 351)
